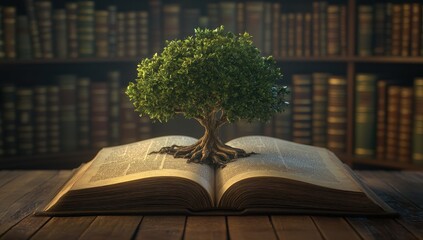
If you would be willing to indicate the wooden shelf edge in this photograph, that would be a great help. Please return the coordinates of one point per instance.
(47, 161)
(68, 61)
(354, 161)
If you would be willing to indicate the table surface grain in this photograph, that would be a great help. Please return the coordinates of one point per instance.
(21, 192)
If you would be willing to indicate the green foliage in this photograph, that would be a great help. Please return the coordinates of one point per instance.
(212, 71)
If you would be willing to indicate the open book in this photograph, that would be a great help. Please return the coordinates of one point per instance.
(284, 177)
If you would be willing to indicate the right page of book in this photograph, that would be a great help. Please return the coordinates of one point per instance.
(280, 158)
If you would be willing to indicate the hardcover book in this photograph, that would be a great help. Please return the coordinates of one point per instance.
(283, 177)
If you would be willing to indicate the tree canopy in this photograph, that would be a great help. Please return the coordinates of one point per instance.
(213, 71)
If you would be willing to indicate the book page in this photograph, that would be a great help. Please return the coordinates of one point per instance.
(132, 161)
(279, 158)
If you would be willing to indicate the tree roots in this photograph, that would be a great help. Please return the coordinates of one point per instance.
(210, 152)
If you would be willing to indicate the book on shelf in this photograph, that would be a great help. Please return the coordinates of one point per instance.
(2, 53)
(60, 33)
(43, 11)
(112, 30)
(228, 15)
(99, 118)
(283, 122)
(405, 124)
(113, 81)
(143, 33)
(33, 29)
(23, 40)
(171, 21)
(392, 122)
(336, 137)
(254, 22)
(365, 114)
(281, 178)
(365, 30)
(416, 29)
(120, 34)
(101, 33)
(8, 109)
(156, 22)
(86, 28)
(9, 26)
(68, 112)
(302, 108)
(382, 86)
(405, 29)
(131, 41)
(319, 111)
(72, 29)
(83, 108)
(417, 135)
(299, 29)
(40, 120)
(53, 120)
(24, 121)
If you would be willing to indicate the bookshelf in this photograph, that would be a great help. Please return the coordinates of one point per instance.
(23, 72)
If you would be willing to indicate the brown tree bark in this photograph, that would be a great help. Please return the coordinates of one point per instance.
(209, 149)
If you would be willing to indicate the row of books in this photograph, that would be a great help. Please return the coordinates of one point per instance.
(80, 30)
(390, 29)
(388, 119)
(74, 114)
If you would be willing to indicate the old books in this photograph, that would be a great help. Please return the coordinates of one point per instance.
(284, 177)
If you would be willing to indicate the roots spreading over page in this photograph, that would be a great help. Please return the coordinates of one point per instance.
(209, 149)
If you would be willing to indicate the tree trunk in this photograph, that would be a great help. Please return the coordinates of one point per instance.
(209, 148)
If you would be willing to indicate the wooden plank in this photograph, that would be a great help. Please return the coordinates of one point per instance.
(335, 228)
(112, 227)
(31, 197)
(411, 214)
(25, 228)
(63, 228)
(380, 228)
(203, 228)
(161, 227)
(295, 227)
(409, 187)
(7, 176)
(250, 227)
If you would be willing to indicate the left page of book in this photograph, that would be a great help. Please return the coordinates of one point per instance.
(132, 161)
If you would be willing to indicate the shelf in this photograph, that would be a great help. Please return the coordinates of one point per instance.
(388, 59)
(380, 163)
(315, 59)
(47, 161)
(68, 61)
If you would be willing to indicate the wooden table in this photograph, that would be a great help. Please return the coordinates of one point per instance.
(22, 191)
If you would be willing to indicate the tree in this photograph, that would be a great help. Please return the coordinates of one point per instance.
(214, 77)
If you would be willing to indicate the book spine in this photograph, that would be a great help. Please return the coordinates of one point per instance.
(302, 108)
(228, 16)
(33, 26)
(203, 22)
(83, 112)
(40, 120)
(416, 28)
(267, 29)
(2, 148)
(323, 20)
(299, 30)
(8, 109)
(337, 114)
(9, 24)
(365, 30)
(121, 33)
(101, 34)
(23, 38)
(396, 29)
(392, 122)
(417, 141)
(143, 33)
(365, 115)
(245, 128)
(99, 115)
(131, 34)
(68, 117)
(240, 17)
(333, 33)
(24, 117)
(112, 30)
(43, 10)
(190, 21)
(405, 124)
(53, 120)
(60, 33)
(213, 14)
(316, 29)
(307, 35)
(85, 29)
(72, 29)
(406, 30)
(2, 53)
(291, 35)
(156, 25)
(283, 121)
(276, 9)
(379, 29)
(343, 31)
(284, 35)
(128, 120)
(254, 21)
(421, 36)
(319, 112)
(388, 29)
(113, 80)
(382, 86)
(171, 21)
